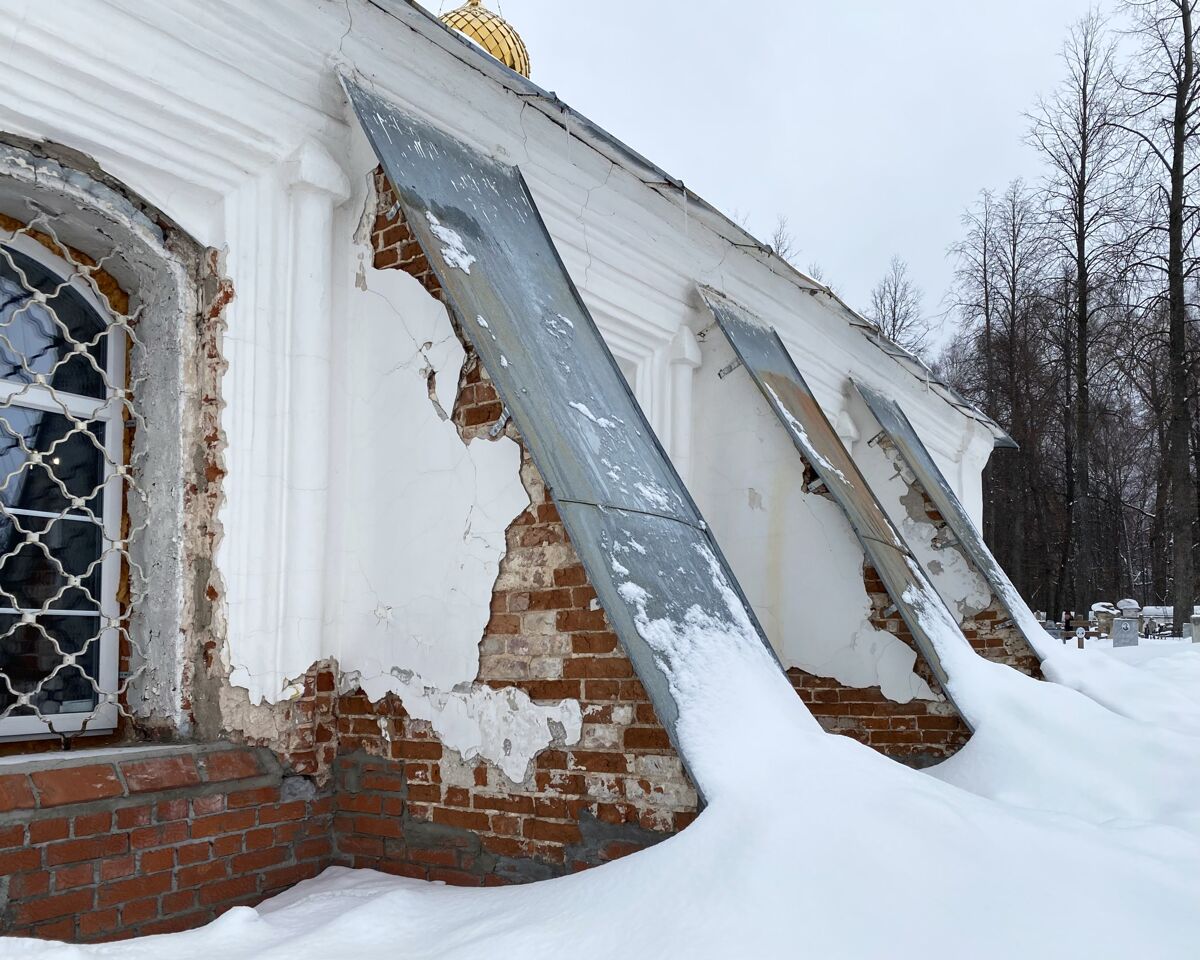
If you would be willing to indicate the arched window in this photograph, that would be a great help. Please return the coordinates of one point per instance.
(66, 424)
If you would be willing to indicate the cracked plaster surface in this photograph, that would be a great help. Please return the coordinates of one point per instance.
(421, 518)
(960, 586)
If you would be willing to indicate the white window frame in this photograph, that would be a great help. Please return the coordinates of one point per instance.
(111, 412)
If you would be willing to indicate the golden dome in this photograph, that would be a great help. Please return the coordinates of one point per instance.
(492, 32)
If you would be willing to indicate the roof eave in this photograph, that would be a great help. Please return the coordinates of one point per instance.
(614, 149)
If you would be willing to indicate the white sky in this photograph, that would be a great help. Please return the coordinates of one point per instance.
(871, 124)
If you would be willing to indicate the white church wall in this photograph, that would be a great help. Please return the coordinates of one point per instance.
(230, 118)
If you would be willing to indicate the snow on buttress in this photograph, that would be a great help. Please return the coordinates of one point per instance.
(584, 409)
(1066, 828)
(454, 252)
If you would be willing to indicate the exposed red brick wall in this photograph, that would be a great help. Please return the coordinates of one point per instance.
(919, 732)
(394, 245)
(307, 737)
(990, 631)
(545, 638)
(104, 847)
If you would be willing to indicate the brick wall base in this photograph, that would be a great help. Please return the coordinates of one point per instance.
(474, 837)
(117, 845)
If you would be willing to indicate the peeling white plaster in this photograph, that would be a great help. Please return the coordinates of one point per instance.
(962, 589)
(832, 636)
(794, 553)
(502, 726)
(417, 535)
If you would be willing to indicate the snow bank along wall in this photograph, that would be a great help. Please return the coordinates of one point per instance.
(381, 603)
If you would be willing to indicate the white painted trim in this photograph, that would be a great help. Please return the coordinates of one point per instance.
(685, 360)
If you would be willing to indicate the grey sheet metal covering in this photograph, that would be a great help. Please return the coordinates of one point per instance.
(764, 355)
(899, 430)
(624, 507)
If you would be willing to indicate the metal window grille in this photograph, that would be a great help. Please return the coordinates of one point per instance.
(68, 418)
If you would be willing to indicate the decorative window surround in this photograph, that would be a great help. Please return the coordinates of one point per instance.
(158, 267)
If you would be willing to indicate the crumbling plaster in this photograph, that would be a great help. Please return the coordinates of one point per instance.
(416, 524)
(385, 556)
(964, 591)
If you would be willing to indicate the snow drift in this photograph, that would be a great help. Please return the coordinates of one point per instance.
(1066, 828)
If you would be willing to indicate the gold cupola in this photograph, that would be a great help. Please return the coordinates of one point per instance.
(490, 31)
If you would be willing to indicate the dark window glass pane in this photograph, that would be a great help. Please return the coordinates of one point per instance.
(72, 455)
(27, 658)
(29, 578)
(31, 342)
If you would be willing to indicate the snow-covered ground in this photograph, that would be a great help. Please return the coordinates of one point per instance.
(1068, 827)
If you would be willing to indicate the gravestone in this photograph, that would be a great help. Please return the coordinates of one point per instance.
(1104, 614)
(1126, 627)
(1195, 625)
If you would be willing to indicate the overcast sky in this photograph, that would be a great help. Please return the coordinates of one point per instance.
(870, 124)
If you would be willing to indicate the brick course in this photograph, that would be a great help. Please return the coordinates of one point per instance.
(108, 848)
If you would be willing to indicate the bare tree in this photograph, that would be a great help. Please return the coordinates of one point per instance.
(896, 308)
(783, 242)
(975, 276)
(1085, 197)
(1020, 276)
(1077, 311)
(1164, 116)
